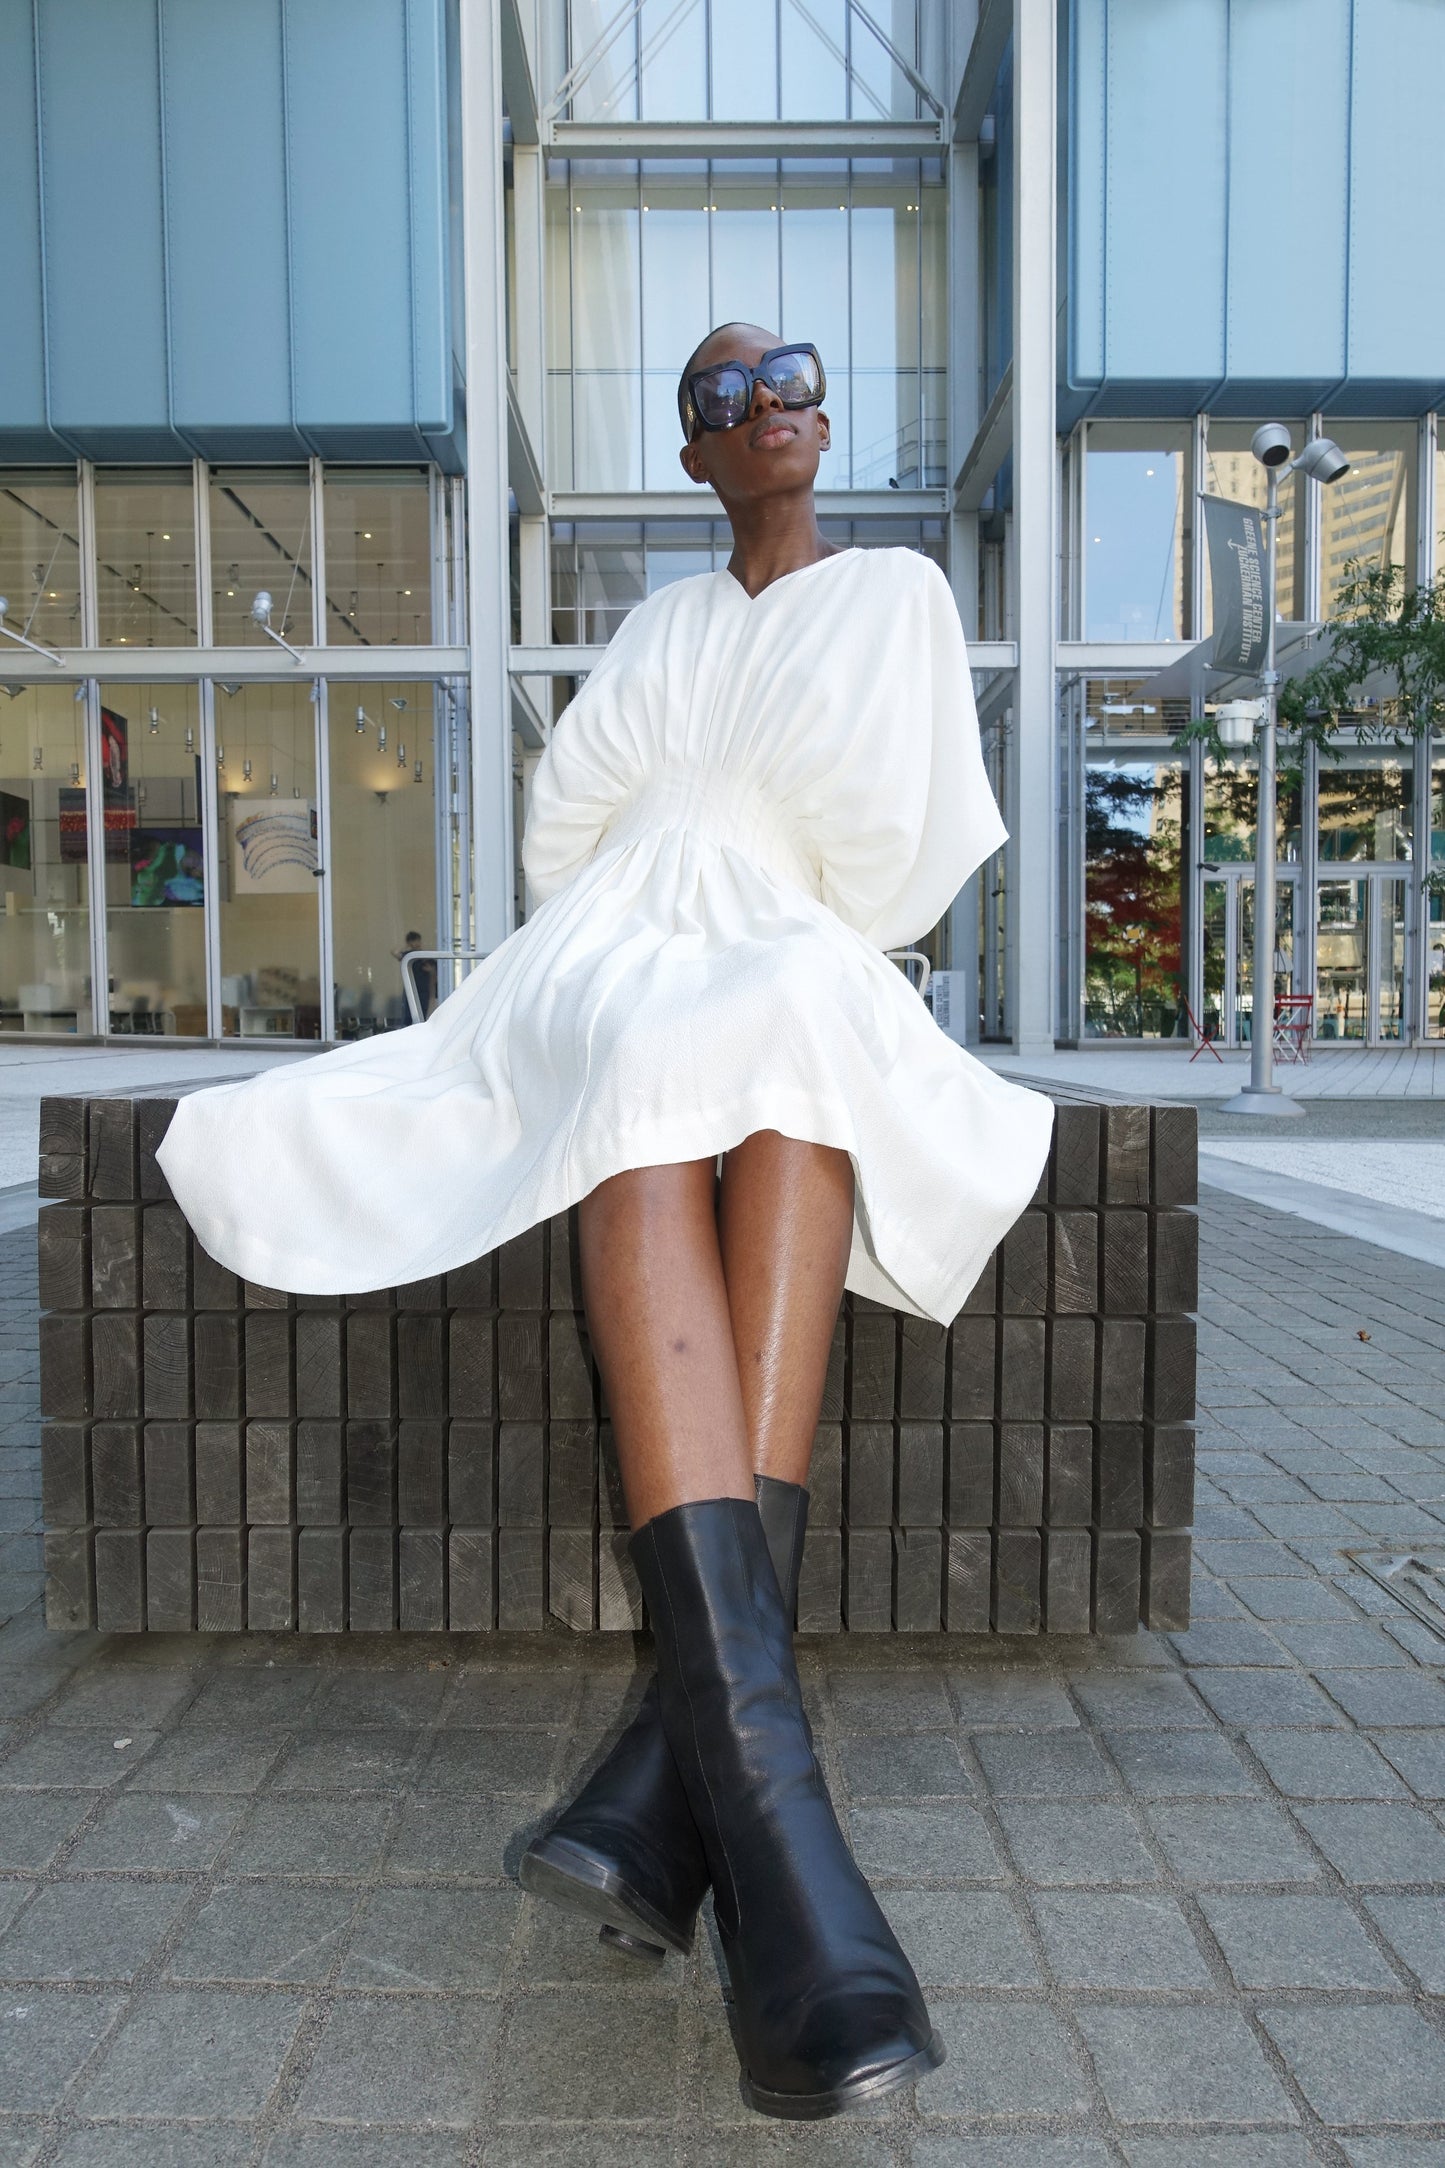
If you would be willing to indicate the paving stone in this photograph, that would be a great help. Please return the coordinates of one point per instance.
(1241, 1698)
(416, 1938)
(935, 2149)
(1271, 1942)
(1362, 2062)
(447, 1838)
(492, 1761)
(986, 1699)
(1415, 1926)
(59, 1756)
(1278, 1600)
(401, 2059)
(1117, 1939)
(1389, 1698)
(337, 1761)
(1059, 1765)
(89, 1931)
(574, 2053)
(195, 2051)
(158, 1833)
(34, 1825)
(555, 1948)
(1009, 2058)
(1419, 1757)
(1393, 2152)
(1226, 1641)
(398, 1700)
(264, 1931)
(1261, 2149)
(209, 1761)
(924, 1765)
(45, 2036)
(1179, 1764)
(349, 2148)
(1230, 1841)
(1081, 1843)
(951, 1843)
(552, 2145)
(501, 1696)
(245, 1696)
(1323, 1646)
(157, 2145)
(292, 1834)
(961, 1938)
(1194, 2065)
(20, 2145)
(125, 1700)
(1324, 1765)
(1141, 1699)
(890, 1701)
(1378, 1843)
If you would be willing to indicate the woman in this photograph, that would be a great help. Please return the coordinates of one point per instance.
(771, 776)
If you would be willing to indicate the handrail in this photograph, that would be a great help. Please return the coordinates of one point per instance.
(435, 956)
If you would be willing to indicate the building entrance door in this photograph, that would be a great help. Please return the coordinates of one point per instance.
(1228, 943)
(1362, 939)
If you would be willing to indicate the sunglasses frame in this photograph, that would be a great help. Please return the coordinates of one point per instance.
(692, 419)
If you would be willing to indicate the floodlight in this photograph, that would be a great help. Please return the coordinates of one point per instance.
(1323, 460)
(1271, 444)
(261, 608)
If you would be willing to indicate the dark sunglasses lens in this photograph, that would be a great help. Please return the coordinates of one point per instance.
(721, 395)
(795, 376)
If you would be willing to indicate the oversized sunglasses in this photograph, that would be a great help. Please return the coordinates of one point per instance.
(721, 395)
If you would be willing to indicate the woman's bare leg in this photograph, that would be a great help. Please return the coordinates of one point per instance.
(785, 1226)
(659, 1322)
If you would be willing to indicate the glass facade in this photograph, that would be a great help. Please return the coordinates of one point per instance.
(269, 895)
(1367, 518)
(145, 558)
(1137, 522)
(45, 964)
(40, 555)
(382, 875)
(155, 886)
(260, 541)
(1136, 827)
(378, 558)
(1231, 470)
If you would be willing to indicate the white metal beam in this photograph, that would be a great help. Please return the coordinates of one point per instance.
(745, 139)
(250, 665)
(987, 452)
(995, 21)
(704, 503)
(575, 660)
(519, 90)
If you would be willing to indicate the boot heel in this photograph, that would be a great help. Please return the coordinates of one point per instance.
(629, 1945)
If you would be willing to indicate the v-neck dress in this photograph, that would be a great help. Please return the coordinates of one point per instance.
(748, 801)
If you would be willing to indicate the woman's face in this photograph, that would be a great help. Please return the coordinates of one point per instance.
(774, 450)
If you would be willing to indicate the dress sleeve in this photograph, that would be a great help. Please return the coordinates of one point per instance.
(591, 762)
(944, 821)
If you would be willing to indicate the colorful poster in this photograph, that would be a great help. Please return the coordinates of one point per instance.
(166, 868)
(275, 852)
(119, 821)
(14, 831)
(114, 757)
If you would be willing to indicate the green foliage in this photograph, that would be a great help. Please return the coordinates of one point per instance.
(1387, 631)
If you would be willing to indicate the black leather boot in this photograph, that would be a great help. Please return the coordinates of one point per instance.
(826, 2010)
(627, 1851)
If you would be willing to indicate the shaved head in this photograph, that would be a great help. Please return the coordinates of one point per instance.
(694, 359)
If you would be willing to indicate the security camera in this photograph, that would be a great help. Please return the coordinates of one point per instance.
(1323, 459)
(1271, 445)
(261, 608)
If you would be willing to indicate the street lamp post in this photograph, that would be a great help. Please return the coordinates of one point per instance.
(1326, 463)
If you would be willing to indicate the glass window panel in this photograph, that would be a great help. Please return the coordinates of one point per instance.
(260, 538)
(1135, 826)
(1440, 507)
(383, 850)
(559, 425)
(266, 881)
(609, 429)
(40, 556)
(746, 237)
(44, 875)
(813, 48)
(1231, 470)
(606, 311)
(1134, 511)
(1435, 909)
(1366, 809)
(609, 91)
(559, 269)
(880, 90)
(883, 269)
(1367, 517)
(1231, 800)
(674, 313)
(155, 888)
(815, 304)
(673, 46)
(745, 60)
(378, 557)
(145, 549)
(886, 446)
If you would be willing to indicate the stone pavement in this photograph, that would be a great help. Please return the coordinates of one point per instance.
(1179, 1903)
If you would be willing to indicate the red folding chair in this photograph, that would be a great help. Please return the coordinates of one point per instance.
(1203, 1038)
(1293, 1021)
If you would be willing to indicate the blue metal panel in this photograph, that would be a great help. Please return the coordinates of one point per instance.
(23, 418)
(429, 191)
(1086, 254)
(1397, 295)
(226, 212)
(104, 243)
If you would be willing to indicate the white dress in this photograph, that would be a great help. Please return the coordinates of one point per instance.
(749, 800)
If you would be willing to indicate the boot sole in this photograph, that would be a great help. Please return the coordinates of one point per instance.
(564, 1873)
(813, 2107)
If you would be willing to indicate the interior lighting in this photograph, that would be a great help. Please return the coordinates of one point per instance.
(275, 786)
(246, 771)
(416, 773)
(75, 771)
(155, 721)
(220, 756)
(381, 737)
(401, 755)
(165, 538)
(190, 739)
(37, 761)
(360, 721)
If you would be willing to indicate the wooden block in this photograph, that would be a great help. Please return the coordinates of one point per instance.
(611, 1505)
(1024, 1279)
(972, 1455)
(920, 1475)
(522, 1367)
(1116, 1582)
(370, 1367)
(115, 1475)
(471, 1601)
(216, 1358)
(1169, 1476)
(868, 1475)
(522, 1270)
(318, 1364)
(619, 1592)
(115, 1256)
(167, 1363)
(820, 1581)
(520, 1605)
(872, 1389)
(268, 1363)
(114, 1363)
(474, 1286)
(572, 1478)
(320, 1486)
(371, 1581)
(1171, 1369)
(270, 1474)
(1069, 1485)
(1074, 1160)
(1018, 1581)
(63, 1251)
(471, 1366)
(1174, 1263)
(521, 1461)
(982, 1298)
(120, 1580)
(212, 1286)
(922, 1370)
(833, 1406)
(220, 1580)
(570, 1393)
(918, 1580)
(973, 1369)
(868, 1560)
(271, 1580)
(332, 1305)
(1067, 1560)
(1119, 1475)
(171, 1581)
(1175, 1148)
(165, 1258)
(152, 1120)
(1074, 1263)
(968, 1581)
(570, 1594)
(825, 1477)
(423, 1294)
(421, 1378)
(1126, 1155)
(564, 1277)
(69, 1579)
(471, 1474)
(65, 1384)
(110, 1151)
(170, 1491)
(422, 1566)
(371, 1474)
(1021, 1369)
(1071, 1369)
(1020, 1475)
(218, 1448)
(1125, 1263)
(371, 1298)
(62, 1148)
(65, 1475)
(421, 1480)
(1165, 1563)
(1121, 1369)
(321, 1580)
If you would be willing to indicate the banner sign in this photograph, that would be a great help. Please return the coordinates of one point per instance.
(1235, 533)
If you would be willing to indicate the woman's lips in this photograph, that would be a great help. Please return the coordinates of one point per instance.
(775, 432)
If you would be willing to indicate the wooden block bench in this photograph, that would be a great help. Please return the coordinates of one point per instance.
(220, 1457)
